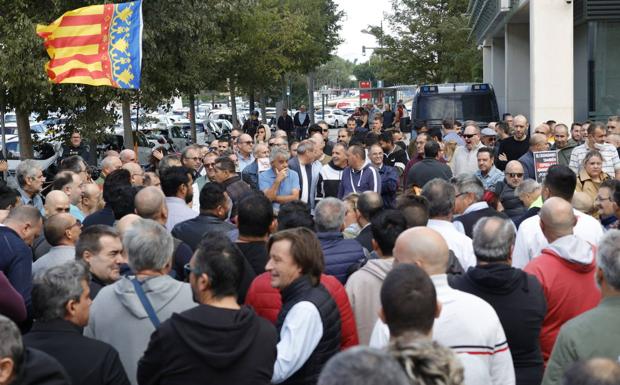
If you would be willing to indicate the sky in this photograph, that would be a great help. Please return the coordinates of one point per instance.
(358, 15)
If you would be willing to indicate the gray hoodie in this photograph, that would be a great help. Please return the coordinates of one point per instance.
(118, 317)
(363, 288)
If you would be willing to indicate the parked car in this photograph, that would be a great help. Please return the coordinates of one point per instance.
(333, 117)
(173, 135)
(45, 154)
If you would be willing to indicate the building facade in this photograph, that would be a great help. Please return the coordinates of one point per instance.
(551, 59)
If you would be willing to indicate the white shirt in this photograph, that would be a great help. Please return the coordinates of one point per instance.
(611, 162)
(531, 240)
(301, 333)
(465, 161)
(470, 327)
(460, 244)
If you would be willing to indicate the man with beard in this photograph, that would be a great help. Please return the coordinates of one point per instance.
(176, 183)
(331, 173)
(514, 147)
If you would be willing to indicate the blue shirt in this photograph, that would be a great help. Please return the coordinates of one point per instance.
(491, 178)
(243, 162)
(35, 201)
(267, 178)
(77, 214)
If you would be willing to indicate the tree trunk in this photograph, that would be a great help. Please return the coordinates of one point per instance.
(263, 103)
(127, 131)
(251, 98)
(233, 103)
(23, 130)
(311, 96)
(192, 117)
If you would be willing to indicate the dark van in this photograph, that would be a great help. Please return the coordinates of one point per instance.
(458, 101)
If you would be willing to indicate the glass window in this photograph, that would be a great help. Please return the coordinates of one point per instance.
(605, 70)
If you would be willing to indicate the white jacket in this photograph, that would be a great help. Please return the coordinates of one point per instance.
(470, 327)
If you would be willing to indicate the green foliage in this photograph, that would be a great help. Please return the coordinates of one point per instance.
(428, 43)
(369, 70)
(336, 73)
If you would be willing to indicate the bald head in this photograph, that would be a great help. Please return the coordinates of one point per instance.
(557, 218)
(150, 203)
(137, 174)
(514, 166)
(424, 247)
(127, 156)
(538, 142)
(56, 227)
(56, 202)
(110, 163)
(126, 222)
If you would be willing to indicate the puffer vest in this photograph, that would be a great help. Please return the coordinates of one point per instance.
(302, 290)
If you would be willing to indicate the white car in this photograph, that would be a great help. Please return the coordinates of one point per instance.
(45, 154)
(333, 117)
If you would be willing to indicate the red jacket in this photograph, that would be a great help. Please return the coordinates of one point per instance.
(569, 289)
(267, 303)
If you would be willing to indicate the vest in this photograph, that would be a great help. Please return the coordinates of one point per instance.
(302, 290)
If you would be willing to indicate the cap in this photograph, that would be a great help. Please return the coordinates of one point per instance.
(488, 132)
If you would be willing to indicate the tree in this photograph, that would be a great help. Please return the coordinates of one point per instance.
(336, 73)
(369, 70)
(428, 44)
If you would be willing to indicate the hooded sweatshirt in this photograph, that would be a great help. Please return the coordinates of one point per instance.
(519, 302)
(211, 345)
(118, 317)
(363, 288)
(566, 271)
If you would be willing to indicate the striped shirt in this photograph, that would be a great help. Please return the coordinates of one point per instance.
(611, 162)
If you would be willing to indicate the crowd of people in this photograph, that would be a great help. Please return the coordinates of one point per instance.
(288, 257)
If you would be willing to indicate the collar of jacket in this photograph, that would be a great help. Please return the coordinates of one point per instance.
(56, 325)
(329, 235)
(296, 287)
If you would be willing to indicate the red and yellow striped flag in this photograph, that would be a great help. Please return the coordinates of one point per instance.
(99, 45)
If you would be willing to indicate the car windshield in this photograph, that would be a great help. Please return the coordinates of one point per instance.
(477, 107)
(10, 118)
(40, 151)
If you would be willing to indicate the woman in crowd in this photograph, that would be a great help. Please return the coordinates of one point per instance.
(591, 175)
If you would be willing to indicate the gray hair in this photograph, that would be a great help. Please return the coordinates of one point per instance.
(54, 287)
(528, 186)
(493, 239)
(11, 346)
(329, 214)
(257, 148)
(441, 196)
(149, 246)
(23, 214)
(26, 169)
(362, 365)
(277, 153)
(149, 202)
(608, 257)
(305, 146)
(466, 183)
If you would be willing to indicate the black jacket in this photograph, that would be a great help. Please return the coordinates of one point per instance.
(426, 170)
(513, 207)
(469, 220)
(365, 238)
(519, 302)
(209, 345)
(329, 181)
(87, 361)
(39, 368)
(285, 123)
(105, 216)
(192, 230)
(256, 254)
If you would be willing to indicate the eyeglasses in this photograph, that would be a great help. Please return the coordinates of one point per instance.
(468, 136)
(599, 199)
(77, 223)
(234, 137)
(515, 174)
(187, 268)
(209, 165)
(326, 130)
(459, 194)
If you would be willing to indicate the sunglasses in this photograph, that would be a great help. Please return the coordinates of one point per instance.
(468, 136)
(187, 269)
(325, 130)
(77, 223)
(515, 174)
(209, 165)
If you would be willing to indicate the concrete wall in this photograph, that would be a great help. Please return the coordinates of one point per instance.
(580, 78)
(551, 61)
(498, 76)
(517, 68)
